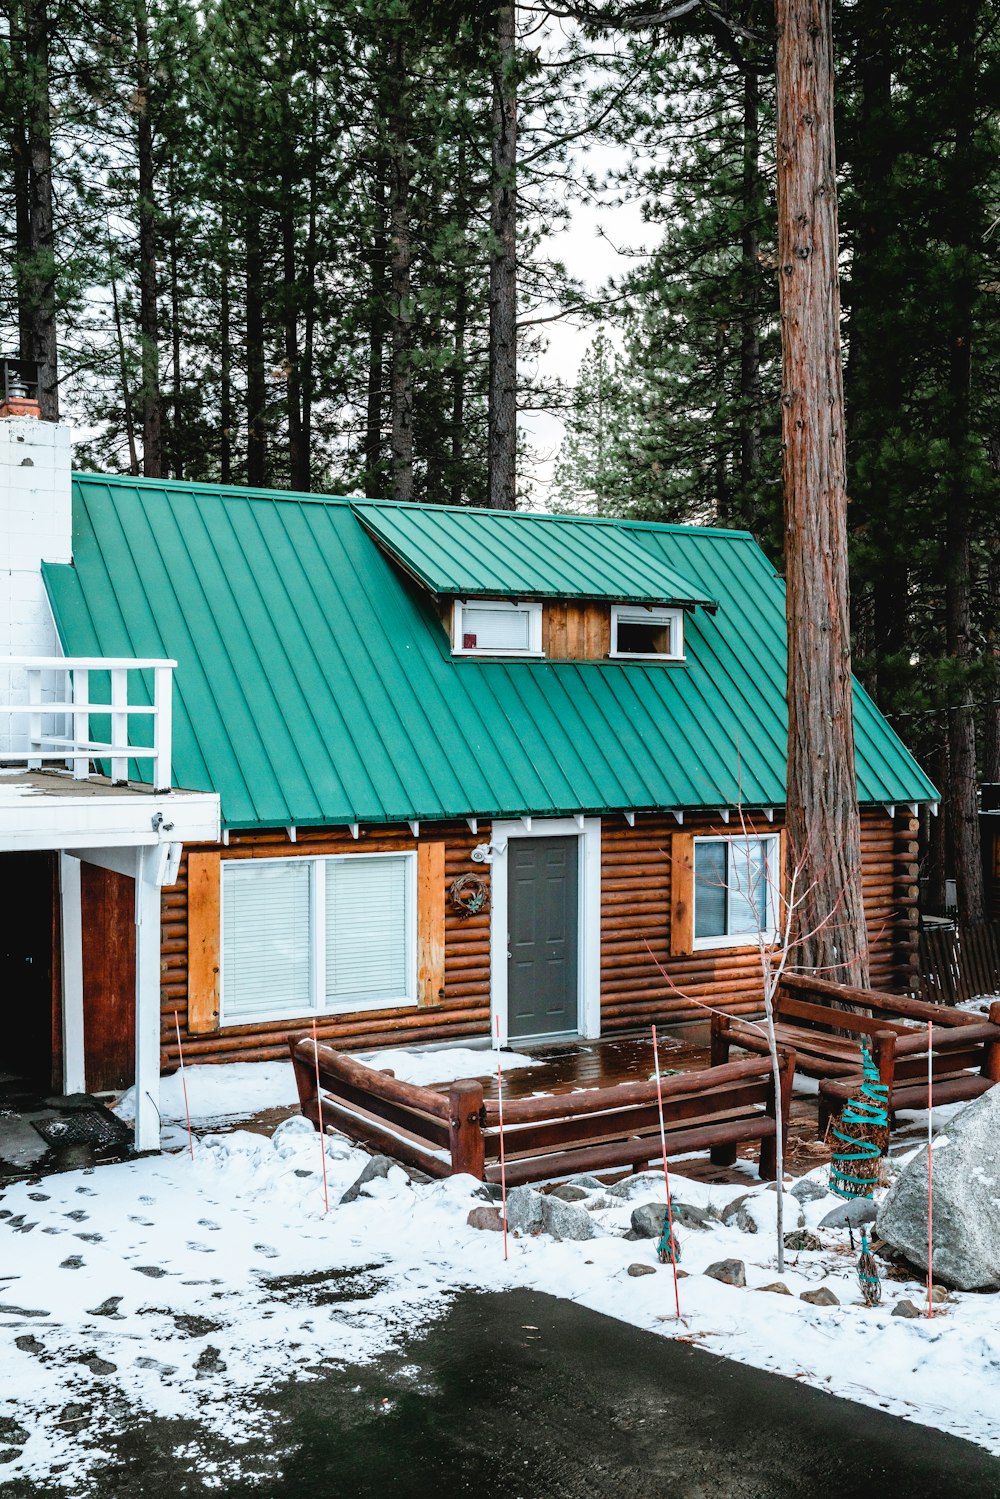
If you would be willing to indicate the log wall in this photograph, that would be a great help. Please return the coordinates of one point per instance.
(640, 980)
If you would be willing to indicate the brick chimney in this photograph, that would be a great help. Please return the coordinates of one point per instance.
(35, 526)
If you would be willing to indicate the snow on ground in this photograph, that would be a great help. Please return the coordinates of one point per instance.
(178, 1287)
(239, 1090)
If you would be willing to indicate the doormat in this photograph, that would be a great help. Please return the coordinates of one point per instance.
(93, 1126)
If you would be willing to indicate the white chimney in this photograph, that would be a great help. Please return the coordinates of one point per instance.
(36, 525)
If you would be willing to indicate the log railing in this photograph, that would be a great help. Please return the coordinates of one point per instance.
(596, 1129)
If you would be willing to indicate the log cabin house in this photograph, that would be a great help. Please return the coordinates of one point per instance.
(479, 772)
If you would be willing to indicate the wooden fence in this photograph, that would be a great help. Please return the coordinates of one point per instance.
(596, 1129)
(959, 963)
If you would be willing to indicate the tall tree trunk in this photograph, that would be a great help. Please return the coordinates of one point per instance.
(21, 172)
(41, 280)
(152, 403)
(133, 454)
(376, 340)
(176, 442)
(991, 709)
(304, 480)
(750, 319)
(256, 382)
(961, 791)
(225, 350)
(457, 457)
(502, 440)
(290, 297)
(824, 830)
(401, 384)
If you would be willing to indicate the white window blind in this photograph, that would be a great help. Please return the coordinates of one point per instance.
(265, 938)
(498, 626)
(368, 936)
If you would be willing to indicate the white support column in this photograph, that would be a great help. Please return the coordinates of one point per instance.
(147, 1001)
(71, 927)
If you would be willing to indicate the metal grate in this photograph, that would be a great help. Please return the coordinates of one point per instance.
(93, 1127)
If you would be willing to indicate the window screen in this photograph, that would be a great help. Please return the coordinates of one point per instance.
(638, 635)
(487, 628)
(367, 931)
(265, 938)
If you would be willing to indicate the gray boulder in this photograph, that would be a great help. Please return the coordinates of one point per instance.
(809, 1191)
(530, 1212)
(854, 1212)
(485, 1217)
(966, 1201)
(822, 1296)
(906, 1309)
(636, 1270)
(647, 1220)
(569, 1193)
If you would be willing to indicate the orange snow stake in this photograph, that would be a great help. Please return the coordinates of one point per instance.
(319, 1108)
(503, 1162)
(184, 1086)
(930, 1168)
(666, 1175)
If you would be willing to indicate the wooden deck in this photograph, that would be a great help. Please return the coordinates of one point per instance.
(564, 1067)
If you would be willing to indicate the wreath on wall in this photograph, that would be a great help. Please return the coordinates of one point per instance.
(469, 895)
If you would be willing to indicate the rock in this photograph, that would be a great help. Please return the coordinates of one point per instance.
(28, 1344)
(853, 1213)
(489, 1191)
(939, 1293)
(210, 1361)
(809, 1191)
(74, 1411)
(906, 1308)
(99, 1365)
(637, 1270)
(524, 1210)
(822, 1296)
(778, 1287)
(72, 1262)
(730, 1272)
(193, 1326)
(6, 1310)
(631, 1236)
(8, 1454)
(647, 1220)
(486, 1217)
(531, 1212)
(966, 1191)
(801, 1239)
(567, 1192)
(108, 1308)
(589, 1183)
(730, 1211)
(378, 1166)
(12, 1432)
(564, 1220)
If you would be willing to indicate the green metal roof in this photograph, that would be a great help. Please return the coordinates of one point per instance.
(501, 554)
(315, 682)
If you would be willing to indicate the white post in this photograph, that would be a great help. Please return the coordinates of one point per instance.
(35, 719)
(119, 723)
(147, 1002)
(163, 686)
(81, 720)
(71, 923)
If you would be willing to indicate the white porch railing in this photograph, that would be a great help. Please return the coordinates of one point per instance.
(53, 694)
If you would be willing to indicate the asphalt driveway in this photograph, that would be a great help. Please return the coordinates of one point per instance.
(521, 1396)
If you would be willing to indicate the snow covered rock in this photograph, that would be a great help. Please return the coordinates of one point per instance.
(966, 1201)
(379, 1165)
(758, 1213)
(777, 1286)
(807, 1190)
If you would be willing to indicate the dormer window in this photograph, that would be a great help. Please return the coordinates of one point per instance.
(496, 627)
(644, 634)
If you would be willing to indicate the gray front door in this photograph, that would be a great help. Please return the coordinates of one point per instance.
(543, 942)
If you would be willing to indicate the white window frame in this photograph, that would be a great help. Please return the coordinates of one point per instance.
(741, 939)
(317, 940)
(531, 607)
(653, 616)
